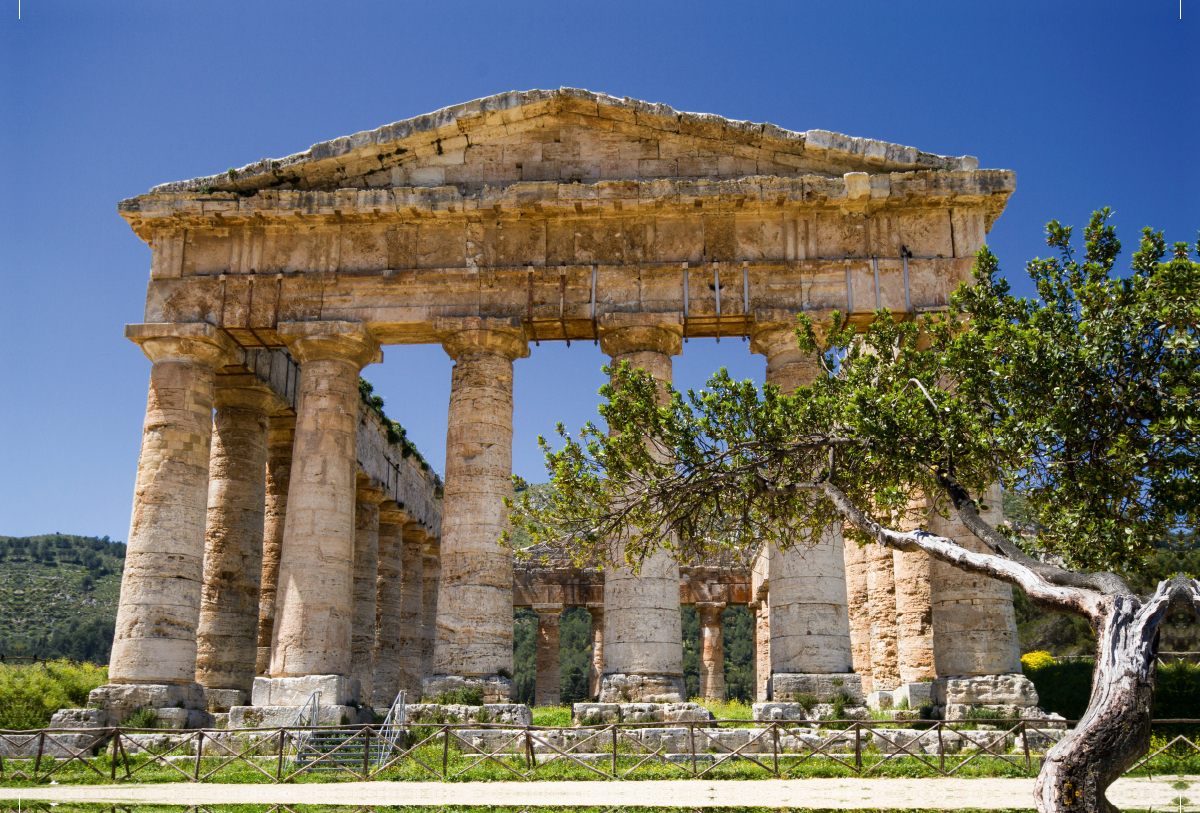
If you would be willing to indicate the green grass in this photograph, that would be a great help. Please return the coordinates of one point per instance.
(729, 710)
(559, 716)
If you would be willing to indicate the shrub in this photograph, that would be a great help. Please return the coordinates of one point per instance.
(142, 718)
(1063, 688)
(1036, 660)
(806, 701)
(30, 694)
(462, 696)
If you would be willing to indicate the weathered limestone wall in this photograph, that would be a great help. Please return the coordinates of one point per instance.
(474, 613)
(227, 636)
(281, 436)
(159, 609)
(643, 629)
(975, 628)
(314, 599)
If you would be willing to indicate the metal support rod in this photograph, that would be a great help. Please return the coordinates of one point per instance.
(745, 299)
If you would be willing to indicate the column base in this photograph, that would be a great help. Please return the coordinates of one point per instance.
(220, 701)
(179, 705)
(1005, 695)
(911, 696)
(448, 689)
(336, 690)
(284, 716)
(618, 688)
(786, 687)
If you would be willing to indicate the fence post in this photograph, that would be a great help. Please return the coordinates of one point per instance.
(858, 746)
(199, 751)
(1025, 741)
(366, 732)
(37, 763)
(279, 762)
(941, 748)
(692, 735)
(445, 750)
(775, 745)
(614, 733)
(116, 744)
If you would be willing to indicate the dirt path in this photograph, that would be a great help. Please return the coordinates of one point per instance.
(943, 793)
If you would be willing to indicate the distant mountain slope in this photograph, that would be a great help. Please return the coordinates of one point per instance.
(58, 595)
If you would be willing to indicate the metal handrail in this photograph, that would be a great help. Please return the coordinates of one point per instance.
(393, 727)
(304, 735)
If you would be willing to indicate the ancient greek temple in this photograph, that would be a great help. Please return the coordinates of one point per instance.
(281, 545)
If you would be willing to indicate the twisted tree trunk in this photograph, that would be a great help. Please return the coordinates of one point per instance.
(1115, 730)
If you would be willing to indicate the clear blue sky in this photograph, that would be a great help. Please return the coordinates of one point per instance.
(1092, 104)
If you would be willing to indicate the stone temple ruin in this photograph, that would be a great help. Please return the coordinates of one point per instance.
(280, 545)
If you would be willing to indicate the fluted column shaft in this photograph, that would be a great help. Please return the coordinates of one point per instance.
(227, 637)
(546, 682)
(762, 650)
(643, 633)
(366, 576)
(596, 640)
(431, 577)
(281, 436)
(810, 623)
(712, 651)
(388, 598)
(881, 587)
(314, 600)
(159, 608)
(858, 604)
(474, 611)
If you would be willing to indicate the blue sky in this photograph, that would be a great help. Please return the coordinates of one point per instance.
(1092, 104)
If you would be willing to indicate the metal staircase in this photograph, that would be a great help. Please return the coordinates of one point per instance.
(337, 748)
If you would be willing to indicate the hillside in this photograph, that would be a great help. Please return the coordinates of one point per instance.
(58, 595)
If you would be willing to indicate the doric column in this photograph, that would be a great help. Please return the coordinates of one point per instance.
(546, 685)
(410, 642)
(881, 587)
(431, 576)
(281, 436)
(712, 651)
(474, 615)
(385, 682)
(155, 641)
(914, 614)
(227, 636)
(974, 626)
(810, 622)
(858, 603)
(596, 639)
(366, 577)
(643, 634)
(315, 596)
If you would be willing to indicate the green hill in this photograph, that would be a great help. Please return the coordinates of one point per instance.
(58, 596)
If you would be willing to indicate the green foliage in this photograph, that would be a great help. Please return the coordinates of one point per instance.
(58, 596)
(737, 634)
(552, 716)
(1177, 691)
(462, 696)
(142, 718)
(574, 654)
(30, 694)
(1065, 688)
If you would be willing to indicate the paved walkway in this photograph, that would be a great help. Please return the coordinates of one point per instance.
(896, 794)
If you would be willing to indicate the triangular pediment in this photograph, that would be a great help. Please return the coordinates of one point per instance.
(565, 136)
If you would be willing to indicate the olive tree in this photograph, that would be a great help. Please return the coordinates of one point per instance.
(1082, 400)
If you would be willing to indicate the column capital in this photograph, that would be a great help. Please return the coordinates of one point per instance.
(245, 391)
(462, 335)
(623, 333)
(183, 341)
(774, 330)
(369, 492)
(323, 341)
(710, 606)
(393, 513)
(547, 609)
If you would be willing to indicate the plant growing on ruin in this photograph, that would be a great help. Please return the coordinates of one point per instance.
(1080, 400)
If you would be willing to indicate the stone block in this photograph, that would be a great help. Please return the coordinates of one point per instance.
(121, 700)
(336, 690)
(989, 690)
(173, 718)
(495, 689)
(772, 712)
(878, 701)
(618, 688)
(642, 712)
(220, 701)
(961, 711)
(686, 713)
(595, 713)
(283, 716)
(913, 695)
(827, 711)
(498, 713)
(78, 718)
(787, 686)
